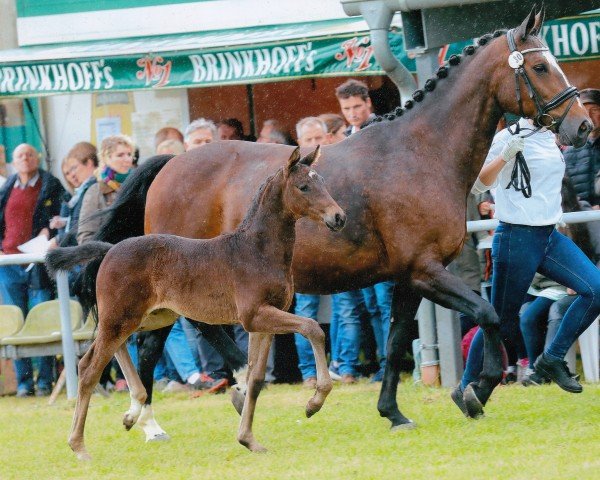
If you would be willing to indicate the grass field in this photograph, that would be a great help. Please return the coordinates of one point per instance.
(528, 433)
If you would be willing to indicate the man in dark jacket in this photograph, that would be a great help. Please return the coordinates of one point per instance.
(28, 200)
(583, 164)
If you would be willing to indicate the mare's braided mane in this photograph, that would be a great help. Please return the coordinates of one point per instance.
(442, 72)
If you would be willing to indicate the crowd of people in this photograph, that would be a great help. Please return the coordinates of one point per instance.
(541, 316)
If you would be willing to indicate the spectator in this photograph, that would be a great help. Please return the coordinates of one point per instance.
(273, 132)
(526, 241)
(231, 129)
(355, 104)
(336, 127)
(171, 146)
(583, 163)
(200, 132)
(28, 200)
(311, 131)
(167, 133)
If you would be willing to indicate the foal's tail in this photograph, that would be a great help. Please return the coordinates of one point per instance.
(66, 258)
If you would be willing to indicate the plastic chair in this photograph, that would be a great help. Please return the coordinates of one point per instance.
(87, 331)
(42, 324)
(11, 320)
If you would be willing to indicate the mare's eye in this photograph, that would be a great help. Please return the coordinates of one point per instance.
(541, 68)
(303, 188)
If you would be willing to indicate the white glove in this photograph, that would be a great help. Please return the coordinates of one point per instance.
(514, 145)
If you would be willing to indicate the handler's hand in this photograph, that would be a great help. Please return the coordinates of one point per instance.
(515, 144)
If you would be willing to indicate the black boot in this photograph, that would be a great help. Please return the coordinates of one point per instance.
(557, 370)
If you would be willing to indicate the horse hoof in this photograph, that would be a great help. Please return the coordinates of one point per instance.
(128, 422)
(410, 425)
(311, 409)
(257, 448)
(161, 437)
(83, 456)
(472, 403)
(238, 396)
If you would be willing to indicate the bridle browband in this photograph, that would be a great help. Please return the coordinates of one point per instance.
(543, 119)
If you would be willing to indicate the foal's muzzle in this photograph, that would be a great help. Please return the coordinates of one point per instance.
(336, 221)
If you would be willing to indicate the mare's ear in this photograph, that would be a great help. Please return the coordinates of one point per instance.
(525, 29)
(312, 158)
(539, 21)
(293, 161)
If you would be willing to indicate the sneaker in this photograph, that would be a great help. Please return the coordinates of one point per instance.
(22, 393)
(348, 379)
(175, 387)
(310, 383)
(121, 385)
(378, 377)
(509, 378)
(206, 384)
(534, 378)
(457, 398)
(557, 370)
(161, 384)
(334, 373)
(43, 392)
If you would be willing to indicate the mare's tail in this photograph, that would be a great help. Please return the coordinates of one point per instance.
(123, 219)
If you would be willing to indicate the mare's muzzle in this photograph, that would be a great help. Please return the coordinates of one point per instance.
(335, 220)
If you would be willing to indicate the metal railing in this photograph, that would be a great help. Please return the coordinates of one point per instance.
(62, 284)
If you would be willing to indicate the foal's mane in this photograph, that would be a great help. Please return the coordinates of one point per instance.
(442, 72)
(257, 201)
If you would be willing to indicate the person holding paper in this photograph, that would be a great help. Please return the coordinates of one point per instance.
(28, 200)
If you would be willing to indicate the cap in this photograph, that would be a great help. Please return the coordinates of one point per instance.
(590, 95)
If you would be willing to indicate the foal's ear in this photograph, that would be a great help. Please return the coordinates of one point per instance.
(293, 161)
(525, 29)
(539, 21)
(312, 158)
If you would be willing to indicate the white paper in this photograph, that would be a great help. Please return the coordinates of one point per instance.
(35, 245)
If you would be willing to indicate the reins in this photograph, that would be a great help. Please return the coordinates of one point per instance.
(521, 177)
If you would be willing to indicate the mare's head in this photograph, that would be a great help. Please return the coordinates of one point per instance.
(304, 192)
(530, 83)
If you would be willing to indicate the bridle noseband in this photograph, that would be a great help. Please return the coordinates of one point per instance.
(516, 60)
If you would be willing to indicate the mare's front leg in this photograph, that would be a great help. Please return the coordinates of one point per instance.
(437, 284)
(259, 345)
(150, 348)
(269, 319)
(404, 309)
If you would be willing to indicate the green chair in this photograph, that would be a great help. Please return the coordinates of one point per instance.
(87, 331)
(42, 324)
(11, 320)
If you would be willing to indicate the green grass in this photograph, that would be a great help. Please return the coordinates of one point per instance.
(528, 433)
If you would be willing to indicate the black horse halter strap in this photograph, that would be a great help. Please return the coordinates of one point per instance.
(543, 118)
(520, 177)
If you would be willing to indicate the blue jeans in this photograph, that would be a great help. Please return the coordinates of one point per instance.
(179, 353)
(380, 297)
(349, 307)
(518, 251)
(306, 306)
(14, 290)
(534, 323)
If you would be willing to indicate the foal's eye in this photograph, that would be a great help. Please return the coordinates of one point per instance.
(303, 188)
(541, 68)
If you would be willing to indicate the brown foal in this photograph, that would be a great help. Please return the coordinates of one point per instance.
(242, 277)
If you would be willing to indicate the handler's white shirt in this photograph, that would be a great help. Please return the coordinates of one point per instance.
(547, 168)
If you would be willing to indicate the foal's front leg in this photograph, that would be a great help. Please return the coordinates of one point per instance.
(259, 345)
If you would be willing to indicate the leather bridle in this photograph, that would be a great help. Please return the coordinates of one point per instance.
(543, 118)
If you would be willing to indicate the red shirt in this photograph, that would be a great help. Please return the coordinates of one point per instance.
(18, 216)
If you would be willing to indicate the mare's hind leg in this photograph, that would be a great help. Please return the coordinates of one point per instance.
(404, 308)
(150, 348)
(269, 319)
(440, 286)
(90, 369)
(234, 358)
(136, 389)
(259, 345)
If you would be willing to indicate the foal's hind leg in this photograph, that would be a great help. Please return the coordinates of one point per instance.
(137, 392)
(404, 308)
(440, 286)
(259, 345)
(90, 370)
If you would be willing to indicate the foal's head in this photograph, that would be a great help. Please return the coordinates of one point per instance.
(304, 192)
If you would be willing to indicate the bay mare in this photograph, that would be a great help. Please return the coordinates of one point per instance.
(403, 184)
(241, 277)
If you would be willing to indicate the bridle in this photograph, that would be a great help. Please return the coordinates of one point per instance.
(516, 60)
